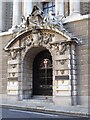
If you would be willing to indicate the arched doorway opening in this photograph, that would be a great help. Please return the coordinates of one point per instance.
(42, 74)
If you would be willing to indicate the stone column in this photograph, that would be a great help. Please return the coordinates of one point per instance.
(27, 7)
(17, 12)
(59, 7)
(74, 7)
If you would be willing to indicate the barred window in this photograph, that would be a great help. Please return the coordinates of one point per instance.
(48, 6)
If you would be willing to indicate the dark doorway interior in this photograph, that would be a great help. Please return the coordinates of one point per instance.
(42, 74)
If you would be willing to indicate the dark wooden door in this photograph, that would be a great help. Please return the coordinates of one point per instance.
(42, 74)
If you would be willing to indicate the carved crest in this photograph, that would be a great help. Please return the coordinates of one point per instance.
(36, 17)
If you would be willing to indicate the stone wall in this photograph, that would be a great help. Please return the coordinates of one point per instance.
(80, 30)
(89, 65)
(3, 63)
(85, 8)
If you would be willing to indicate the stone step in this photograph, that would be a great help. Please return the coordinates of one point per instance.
(38, 102)
(37, 97)
(41, 99)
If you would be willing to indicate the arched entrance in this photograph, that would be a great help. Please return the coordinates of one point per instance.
(42, 74)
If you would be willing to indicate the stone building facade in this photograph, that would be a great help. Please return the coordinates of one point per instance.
(45, 51)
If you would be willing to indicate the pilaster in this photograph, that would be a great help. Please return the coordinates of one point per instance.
(27, 7)
(74, 7)
(17, 12)
(59, 7)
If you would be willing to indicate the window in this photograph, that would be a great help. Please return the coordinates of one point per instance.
(48, 6)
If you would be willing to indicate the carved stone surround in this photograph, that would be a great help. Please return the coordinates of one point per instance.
(61, 47)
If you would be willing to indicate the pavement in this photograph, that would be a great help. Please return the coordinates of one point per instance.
(14, 113)
(45, 106)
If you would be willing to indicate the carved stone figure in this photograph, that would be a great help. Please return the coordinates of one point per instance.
(49, 19)
(13, 54)
(47, 38)
(27, 22)
(62, 48)
(53, 21)
(35, 18)
(29, 40)
(40, 37)
(23, 23)
(35, 38)
(59, 24)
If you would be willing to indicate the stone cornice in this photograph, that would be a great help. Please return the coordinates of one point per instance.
(75, 17)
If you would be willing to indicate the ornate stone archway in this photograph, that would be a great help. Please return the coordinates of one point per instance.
(27, 70)
(36, 37)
